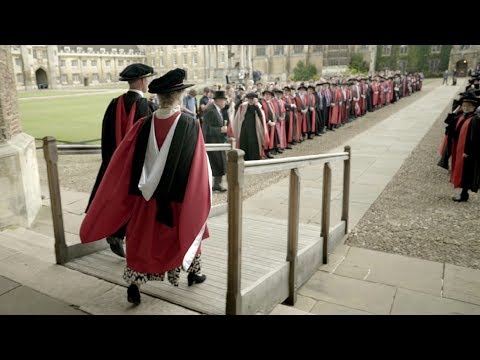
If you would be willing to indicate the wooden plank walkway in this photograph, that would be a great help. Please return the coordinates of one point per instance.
(264, 250)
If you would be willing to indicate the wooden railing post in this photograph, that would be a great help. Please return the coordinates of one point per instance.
(346, 187)
(235, 204)
(232, 142)
(327, 188)
(51, 157)
(293, 218)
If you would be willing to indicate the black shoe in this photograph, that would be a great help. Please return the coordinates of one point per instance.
(268, 155)
(460, 198)
(289, 147)
(219, 188)
(116, 245)
(133, 294)
(195, 279)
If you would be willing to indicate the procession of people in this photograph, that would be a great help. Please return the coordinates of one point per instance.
(268, 119)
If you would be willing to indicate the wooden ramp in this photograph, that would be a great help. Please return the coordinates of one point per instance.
(264, 266)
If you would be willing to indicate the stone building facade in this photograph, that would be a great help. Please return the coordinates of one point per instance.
(56, 66)
(464, 58)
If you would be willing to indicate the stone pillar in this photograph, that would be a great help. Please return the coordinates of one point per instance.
(29, 78)
(53, 73)
(20, 195)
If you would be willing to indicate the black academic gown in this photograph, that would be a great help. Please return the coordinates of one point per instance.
(212, 122)
(144, 107)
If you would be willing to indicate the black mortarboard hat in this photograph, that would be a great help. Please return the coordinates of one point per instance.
(470, 97)
(220, 94)
(251, 95)
(302, 86)
(268, 91)
(277, 90)
(136, 71)
(287, 88)
(171, 81)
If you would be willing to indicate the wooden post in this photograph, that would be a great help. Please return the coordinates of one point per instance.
(235, 205)
(51, 157)
(232, 142)
(327, 188)
(293, 218)
(346, 187)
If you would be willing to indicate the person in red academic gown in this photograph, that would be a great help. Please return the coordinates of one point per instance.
(121, 114)
(466, 148)
(159, 184)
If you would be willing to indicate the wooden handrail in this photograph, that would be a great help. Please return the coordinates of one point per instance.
(51, 150)
(237, 169)
(77, 149)
(296, 162)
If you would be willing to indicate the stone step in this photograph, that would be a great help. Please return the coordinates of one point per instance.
(29, 243)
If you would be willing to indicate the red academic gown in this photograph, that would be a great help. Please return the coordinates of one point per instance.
(458, 149)
(152, 247)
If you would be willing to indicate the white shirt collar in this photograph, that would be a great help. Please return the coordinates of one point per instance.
(218, 109)
(137, 91)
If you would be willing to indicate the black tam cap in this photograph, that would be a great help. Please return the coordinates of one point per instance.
(251, 95)
(136, 71)
(171, 81)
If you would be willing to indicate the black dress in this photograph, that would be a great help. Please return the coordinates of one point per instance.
(248, 134)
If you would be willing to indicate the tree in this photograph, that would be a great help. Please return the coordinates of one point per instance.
(302, 72)
(357, 64)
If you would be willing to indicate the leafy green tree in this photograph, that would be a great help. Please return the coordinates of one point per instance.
(357, 64)
(304, 72)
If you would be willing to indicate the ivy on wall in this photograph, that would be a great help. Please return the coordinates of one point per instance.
(418, 58)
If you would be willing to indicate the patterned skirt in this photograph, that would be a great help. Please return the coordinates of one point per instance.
(134, 277)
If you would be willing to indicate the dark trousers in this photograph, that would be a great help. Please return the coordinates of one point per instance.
(217, 180)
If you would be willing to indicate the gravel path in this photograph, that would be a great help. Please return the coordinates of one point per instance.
(78, 172)
(415, 216)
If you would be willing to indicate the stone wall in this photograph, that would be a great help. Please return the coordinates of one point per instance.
(9, 117)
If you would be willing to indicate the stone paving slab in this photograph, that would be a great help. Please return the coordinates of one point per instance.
(114, 302)
(361, 295)
(6, 252)
(305, 303)
(408, 302)
(392, 269)
(326, 308)
(462, 283)
(287, 310)
(6, 285)
(25, 301)
(68, 285)
(21, 267)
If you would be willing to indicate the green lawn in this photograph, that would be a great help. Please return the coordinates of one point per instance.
(69, 119)
(48, 92)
